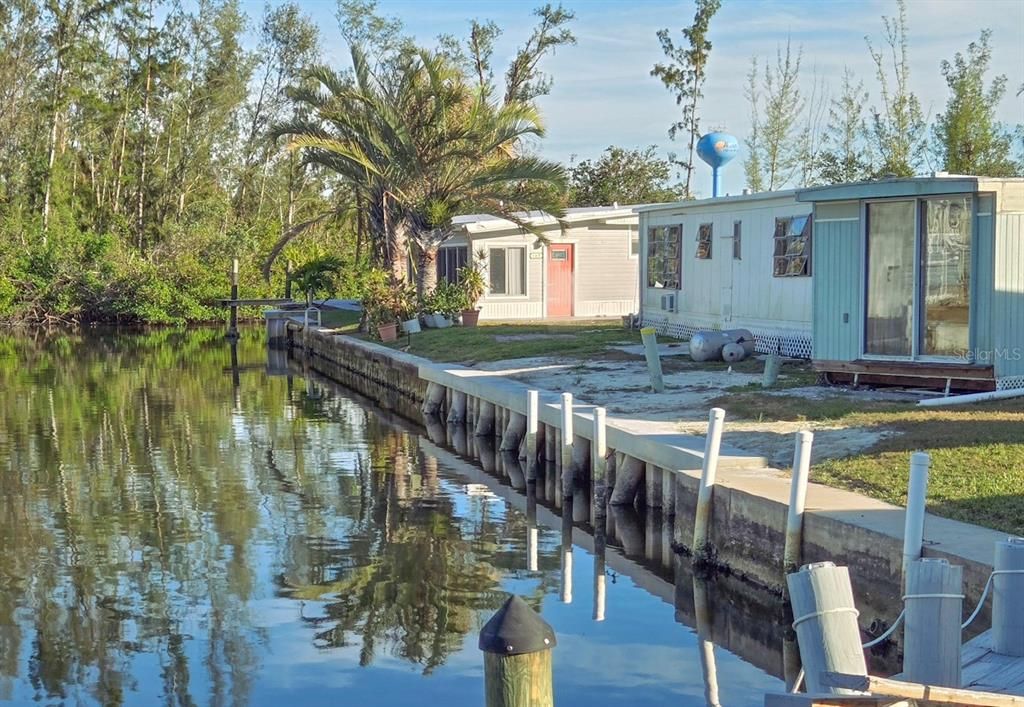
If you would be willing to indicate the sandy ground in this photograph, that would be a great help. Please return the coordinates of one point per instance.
(620, 383)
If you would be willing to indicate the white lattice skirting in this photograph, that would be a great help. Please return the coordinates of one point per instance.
(795, 344)
(1010, 383)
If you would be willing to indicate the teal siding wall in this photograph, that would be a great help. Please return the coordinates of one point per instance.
(983, 284)
(837, 310)
(1008, 299)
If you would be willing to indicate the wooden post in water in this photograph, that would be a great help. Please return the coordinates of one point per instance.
(917, 490)
(650, 339)
(485, 418)
(792, 551)
(598, 467)
(826, 624)
(931, 628)
(514, 430)
(517, 644)
(1008, 598)
(433, 399)
(702, 520)
(566, 450)
(233, 316)
(457, 413)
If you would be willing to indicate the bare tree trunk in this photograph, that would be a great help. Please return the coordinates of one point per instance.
(145, 130)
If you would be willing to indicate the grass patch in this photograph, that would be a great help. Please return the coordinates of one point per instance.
(977, 452)
(487, 342)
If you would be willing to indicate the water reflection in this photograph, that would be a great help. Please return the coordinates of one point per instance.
(187, 522)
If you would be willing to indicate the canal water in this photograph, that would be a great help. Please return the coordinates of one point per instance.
(185, 526)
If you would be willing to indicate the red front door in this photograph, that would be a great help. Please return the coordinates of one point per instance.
(560, 266)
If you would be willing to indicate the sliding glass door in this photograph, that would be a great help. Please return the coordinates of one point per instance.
(892, 230)
(918, 277)
(946, 265)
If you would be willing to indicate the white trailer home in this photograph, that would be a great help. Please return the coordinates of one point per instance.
(728, 263)
(587, 267)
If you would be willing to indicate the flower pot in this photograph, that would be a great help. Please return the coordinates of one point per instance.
(470, 317)
(411, 326)
(428, 320)
(388, 332)
(443, 322)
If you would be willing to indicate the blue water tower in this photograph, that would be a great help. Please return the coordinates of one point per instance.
(717, 149)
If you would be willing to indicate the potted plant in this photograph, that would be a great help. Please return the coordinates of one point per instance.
(430, 305)
(447, 303)
(381, 304)
(472, 287)
(408, 308)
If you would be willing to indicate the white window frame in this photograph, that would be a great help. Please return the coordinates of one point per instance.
(526, 272)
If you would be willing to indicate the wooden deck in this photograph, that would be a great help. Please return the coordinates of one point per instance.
(940, 376)
(981, 669)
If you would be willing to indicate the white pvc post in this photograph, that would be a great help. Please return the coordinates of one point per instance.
(712, 443)
(567, 437)
(797, 500)
(599, 464)
(650, 339)
(917, 490)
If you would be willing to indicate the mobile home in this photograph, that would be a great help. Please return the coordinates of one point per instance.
(585, 265)
(920, 280)
(729, 263)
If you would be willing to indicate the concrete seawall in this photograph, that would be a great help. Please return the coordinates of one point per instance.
(750, 499)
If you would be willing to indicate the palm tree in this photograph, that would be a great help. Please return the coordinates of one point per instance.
(418, 143)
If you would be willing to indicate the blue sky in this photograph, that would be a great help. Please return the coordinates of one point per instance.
(604, 94)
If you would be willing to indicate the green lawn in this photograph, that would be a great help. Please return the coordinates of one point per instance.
(977, 452)
(494, 342)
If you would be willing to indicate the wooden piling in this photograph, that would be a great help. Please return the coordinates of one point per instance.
(457, 411)
(514, 430)
(485, 419)
(233, 316)
(931, 627)
(826, 624)
(792, 550)
(517, 644)
(627, 480)
(653, 486)
(650, 340)
(433, 399)
(1008, 598)
(702, 520)
(566, 448)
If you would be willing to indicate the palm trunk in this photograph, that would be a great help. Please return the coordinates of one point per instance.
(426, 269)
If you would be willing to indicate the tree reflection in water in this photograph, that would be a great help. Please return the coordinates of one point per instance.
(146, 504)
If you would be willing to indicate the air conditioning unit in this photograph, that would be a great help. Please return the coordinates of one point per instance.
(668, 303)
